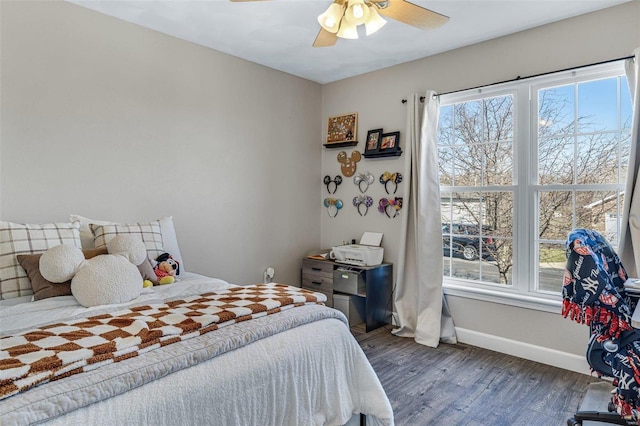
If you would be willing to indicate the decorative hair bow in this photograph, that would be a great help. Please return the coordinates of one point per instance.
(363, 179)
(333, 205)
(362, 200)
(387, 177)
(336, 181)
(393, 204)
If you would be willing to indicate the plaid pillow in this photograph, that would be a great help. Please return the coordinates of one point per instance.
(150, 233)
(169, 238)
(17, 238)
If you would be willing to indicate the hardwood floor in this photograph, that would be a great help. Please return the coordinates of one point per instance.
(466, 385)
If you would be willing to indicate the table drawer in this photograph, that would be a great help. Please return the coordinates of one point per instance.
(318, 283)
(317, 268)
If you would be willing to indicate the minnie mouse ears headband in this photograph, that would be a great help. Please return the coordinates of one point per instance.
(362, 200)
(387, 177)
(333, 206)
(393, 204)
(363, 180)
(335, 181)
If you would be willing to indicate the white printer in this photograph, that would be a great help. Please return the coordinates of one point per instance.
(367, 253)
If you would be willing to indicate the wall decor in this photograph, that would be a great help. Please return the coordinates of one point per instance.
(394, 178)
(342, 130)
(348, 163)
(362, 200)
(335, 181)
(333, 206)
(390, 142)
(363, 180)
(388, 146)
(373, 141)
(392, 204)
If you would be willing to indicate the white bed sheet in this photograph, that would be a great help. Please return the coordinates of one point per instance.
(314, 374)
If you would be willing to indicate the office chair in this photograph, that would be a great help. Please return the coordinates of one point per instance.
(593, 294)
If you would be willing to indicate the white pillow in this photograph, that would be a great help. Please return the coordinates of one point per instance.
(169, 239)
(86, 236)
(106, 280)
(18, 238)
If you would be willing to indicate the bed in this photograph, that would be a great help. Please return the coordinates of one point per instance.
(297, 366)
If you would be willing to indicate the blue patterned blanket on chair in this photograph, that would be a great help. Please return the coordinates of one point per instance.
(594, 294)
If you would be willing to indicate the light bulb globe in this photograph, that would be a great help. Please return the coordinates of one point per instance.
(330, 19)
(347, 30)
(375, 21)
(357, 12)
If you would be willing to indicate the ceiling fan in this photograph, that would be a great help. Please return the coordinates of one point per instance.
(342, 17)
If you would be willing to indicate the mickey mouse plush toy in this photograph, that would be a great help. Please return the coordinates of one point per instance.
(166, 269)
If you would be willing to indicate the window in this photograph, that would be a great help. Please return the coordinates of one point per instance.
(523, 163)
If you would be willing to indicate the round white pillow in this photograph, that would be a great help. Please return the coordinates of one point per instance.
(129, 246)
(106, 280)
(59, 263)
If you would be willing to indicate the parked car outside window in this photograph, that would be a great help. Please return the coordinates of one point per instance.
(459, 239)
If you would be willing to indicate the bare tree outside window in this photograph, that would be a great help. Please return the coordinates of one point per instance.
(583, 146)
(477, 139)
(579, 157)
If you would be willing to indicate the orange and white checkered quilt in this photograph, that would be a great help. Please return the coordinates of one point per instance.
(65, 348)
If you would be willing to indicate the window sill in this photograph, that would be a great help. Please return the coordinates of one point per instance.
(551, 304)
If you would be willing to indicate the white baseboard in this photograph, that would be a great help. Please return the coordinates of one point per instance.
(555, 358)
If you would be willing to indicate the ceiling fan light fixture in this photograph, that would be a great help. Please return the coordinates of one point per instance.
(357, 12)
(375, 21)
(348, 30)
(330, 19)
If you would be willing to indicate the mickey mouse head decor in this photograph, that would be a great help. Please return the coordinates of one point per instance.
(103, 280)
(348, 164)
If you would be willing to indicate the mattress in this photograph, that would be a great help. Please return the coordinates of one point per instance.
(297, 367)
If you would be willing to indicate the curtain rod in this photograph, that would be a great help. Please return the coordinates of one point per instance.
(518, 78)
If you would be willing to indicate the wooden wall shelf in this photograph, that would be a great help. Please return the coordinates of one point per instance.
(340, 144)
(383, 154)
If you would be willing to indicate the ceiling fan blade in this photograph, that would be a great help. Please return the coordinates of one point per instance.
(413, 15)
(325, 39)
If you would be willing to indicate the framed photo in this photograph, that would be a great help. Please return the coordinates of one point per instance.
(373, 141)
(389, 143)
(342, 128)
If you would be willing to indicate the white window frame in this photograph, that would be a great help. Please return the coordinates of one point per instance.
(522, 292)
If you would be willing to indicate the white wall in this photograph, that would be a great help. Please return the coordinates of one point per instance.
(608, 34)
(109, 120)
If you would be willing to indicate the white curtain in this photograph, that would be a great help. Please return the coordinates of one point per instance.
(630, 235)
(422, 310)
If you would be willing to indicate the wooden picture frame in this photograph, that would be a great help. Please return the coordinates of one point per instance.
(389, 143)
(372, 144)
(342, 129)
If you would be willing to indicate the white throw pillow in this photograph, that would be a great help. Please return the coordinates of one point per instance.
(86, 236)
(95, 284)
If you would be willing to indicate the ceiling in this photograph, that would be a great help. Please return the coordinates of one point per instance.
(279, 33)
